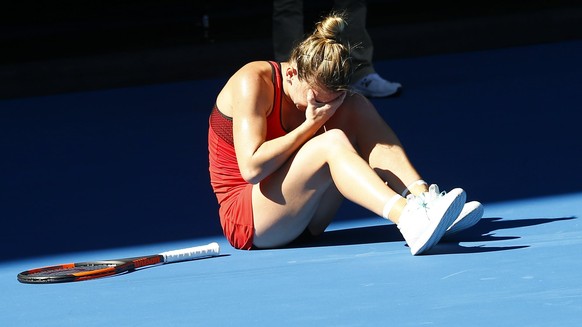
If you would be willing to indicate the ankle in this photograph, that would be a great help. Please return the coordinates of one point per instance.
(397, 210)
(393, 208)
(415, 188)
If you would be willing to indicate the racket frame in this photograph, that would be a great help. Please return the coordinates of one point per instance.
(114, 267)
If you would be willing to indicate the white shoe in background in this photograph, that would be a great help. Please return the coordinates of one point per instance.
(374, 86)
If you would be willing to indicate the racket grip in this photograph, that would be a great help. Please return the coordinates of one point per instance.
(196, 252)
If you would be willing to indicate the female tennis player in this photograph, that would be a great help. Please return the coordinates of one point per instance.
(288, 142)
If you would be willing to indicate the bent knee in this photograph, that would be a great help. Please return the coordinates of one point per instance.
(335, 134)
(335, 138)
(328, 145)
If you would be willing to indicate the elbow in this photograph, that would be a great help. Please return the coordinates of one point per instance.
(251, 176)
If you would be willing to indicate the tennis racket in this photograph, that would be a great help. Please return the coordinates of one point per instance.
(74, 272)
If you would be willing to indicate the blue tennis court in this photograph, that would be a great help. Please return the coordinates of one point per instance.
(123, 172)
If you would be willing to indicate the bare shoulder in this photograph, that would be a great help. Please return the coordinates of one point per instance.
(250, 85)
(255, 71)
(256, 66)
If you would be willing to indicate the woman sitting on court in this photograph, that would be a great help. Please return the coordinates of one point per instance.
(289, 141)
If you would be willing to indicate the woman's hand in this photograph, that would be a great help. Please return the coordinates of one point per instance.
(320, 112)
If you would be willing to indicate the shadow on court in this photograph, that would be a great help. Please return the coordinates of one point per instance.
(121, 167)
(481, 232)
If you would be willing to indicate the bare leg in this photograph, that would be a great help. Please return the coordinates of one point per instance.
(326, 210)
(287, 202)
(379, 145)
(305, 192)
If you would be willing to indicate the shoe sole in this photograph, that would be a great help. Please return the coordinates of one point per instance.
(431, 237)
(468, 221)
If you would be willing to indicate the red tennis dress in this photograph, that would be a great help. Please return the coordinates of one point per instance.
(233, 193)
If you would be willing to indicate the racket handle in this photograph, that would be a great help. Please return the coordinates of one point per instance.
(202, 251)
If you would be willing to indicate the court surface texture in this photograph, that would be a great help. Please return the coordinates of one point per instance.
(123, 172)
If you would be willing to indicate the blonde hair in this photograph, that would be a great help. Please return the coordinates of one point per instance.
(323, 58)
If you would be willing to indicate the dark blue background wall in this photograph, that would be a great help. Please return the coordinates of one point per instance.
(122, 166)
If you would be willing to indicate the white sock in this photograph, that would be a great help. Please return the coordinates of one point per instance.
(407, 190)
(389, 205)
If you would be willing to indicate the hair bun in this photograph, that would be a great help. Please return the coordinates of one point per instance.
(331, 27)
(323, 58)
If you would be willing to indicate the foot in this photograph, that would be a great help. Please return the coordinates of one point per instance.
(424, 223)
(374, 86)
(470, 215)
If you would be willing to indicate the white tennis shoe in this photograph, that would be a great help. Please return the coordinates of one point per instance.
(469, 216)
(423, 223)
(374, 86)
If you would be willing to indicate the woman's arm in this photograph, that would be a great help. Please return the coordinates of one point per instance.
(252, 98)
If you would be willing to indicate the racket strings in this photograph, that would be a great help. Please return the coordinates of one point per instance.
(72, 270)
